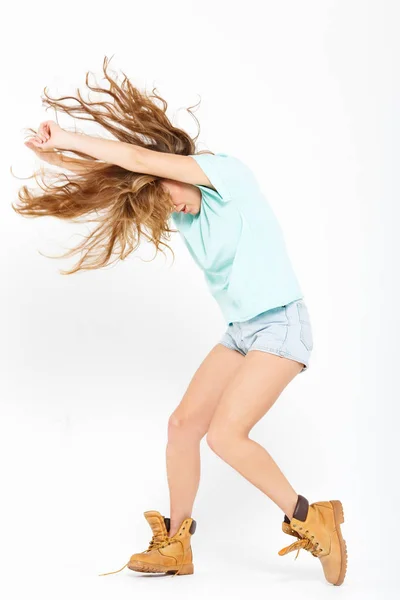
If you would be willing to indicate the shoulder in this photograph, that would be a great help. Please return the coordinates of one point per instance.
(228, 174)
(218, 160)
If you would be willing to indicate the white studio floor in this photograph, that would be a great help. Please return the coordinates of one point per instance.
(72, 508)
(233, 579)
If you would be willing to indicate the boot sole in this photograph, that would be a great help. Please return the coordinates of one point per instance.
(339, 518)
(143, 567)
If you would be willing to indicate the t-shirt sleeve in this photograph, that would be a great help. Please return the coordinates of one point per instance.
(227, 173)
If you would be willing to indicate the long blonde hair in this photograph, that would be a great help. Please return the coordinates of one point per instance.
(126, 205)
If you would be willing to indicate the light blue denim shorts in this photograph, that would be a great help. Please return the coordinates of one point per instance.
(285, 331)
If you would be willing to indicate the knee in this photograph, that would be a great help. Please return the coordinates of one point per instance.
(219, 439)
(181, 427)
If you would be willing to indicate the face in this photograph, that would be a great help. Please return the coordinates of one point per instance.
(186, 198)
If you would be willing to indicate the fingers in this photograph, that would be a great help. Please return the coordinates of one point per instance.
(36, 141)
(36, 149)
(43, 134)
(43, 138)
(33, 144)
(39, 139)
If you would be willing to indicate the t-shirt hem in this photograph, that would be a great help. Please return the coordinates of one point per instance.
(258, 312)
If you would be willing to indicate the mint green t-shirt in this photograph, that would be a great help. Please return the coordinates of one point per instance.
(237, 242)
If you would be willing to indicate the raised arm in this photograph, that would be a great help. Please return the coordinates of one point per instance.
(130, 157)
(141, 160)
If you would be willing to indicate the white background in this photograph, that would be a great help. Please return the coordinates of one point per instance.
(307, 93)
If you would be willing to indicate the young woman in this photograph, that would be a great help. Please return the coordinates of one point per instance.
(132, 186)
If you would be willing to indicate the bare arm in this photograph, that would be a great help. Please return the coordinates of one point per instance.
(140, 160)
(128, 156)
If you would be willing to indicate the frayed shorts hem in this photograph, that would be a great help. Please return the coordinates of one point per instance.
(282, 353)
(276, 351)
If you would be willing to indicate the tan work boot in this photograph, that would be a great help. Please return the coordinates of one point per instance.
(317, 527)
(164, 554)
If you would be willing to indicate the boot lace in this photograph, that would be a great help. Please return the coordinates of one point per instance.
(157, 541)
(154, 543)
(305, 543)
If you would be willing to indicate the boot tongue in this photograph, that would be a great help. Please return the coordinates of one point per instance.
(157, 524)
(286, 528)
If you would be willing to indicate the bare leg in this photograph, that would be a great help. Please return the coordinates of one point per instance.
(257, 384)
(189, 423)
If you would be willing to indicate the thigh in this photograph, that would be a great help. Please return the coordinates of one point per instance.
(255, 387)
(206, 387)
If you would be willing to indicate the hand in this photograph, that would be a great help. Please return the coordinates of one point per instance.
(47, 155)
(49, 136)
